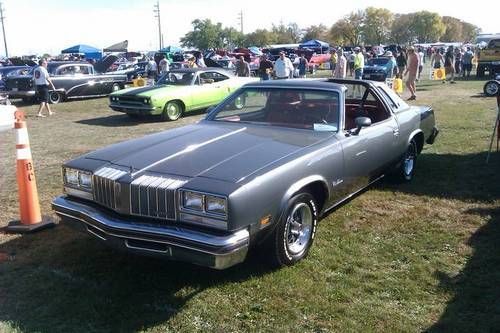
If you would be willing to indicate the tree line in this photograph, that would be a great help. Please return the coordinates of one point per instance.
(371, 26)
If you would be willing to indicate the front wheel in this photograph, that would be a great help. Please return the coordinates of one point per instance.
(115, 87)
(491, 88)
(294, 234)
(172, 111)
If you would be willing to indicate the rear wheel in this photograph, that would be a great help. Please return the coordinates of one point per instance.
(491, 88)
(294, 234)
(406, 170)
(55, 97)
(115, 87)
(172, 111)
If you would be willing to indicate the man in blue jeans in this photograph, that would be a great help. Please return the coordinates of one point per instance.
(359, 63)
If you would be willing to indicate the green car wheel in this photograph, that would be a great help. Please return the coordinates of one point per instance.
(172, 111)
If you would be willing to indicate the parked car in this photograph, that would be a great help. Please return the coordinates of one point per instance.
(376, 69)
(488, 59)
(492, 87)
(13, 71)
(133, 71)
(263, 167)
(178, 92)
(71, 80)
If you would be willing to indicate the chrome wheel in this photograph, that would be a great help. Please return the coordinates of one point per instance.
(409, 161)
(299, 228)
(172, 111)
(115, 87)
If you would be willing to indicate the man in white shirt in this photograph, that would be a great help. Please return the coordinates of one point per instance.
(152, 70)
(283, 67)
(42, 81)
(164, 65)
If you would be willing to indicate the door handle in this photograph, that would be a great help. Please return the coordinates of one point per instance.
(395, 131)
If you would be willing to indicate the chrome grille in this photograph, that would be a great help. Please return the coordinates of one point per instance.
(153, 196)
(103, 185)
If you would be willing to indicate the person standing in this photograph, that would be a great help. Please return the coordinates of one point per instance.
(152, 70)
(303, 66)
(192, 62)
(333, 61)
(350, 63)
(359, 63)
(449, 64)
(283, 67)
(421, 61)
(265, 68)
(412, 70)
(242, 67)
(42, 82)
(341, 67)
(401, 62)
(467, 62)
(391, 66)
(164, 65)
(458, 61)
(200, 62)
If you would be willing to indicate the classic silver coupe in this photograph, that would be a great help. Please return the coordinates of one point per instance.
(260, 171)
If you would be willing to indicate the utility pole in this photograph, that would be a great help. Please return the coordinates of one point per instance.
(240, 18)
(3, 29)
(156, 10)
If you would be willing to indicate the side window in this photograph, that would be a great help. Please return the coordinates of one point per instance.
(206, 78)
(85, 70)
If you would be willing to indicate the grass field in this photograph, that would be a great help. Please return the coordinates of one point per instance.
(424, 256)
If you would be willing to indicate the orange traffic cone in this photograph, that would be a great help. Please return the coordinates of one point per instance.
(29, 207)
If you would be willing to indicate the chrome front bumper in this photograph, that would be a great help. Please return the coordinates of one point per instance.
(168, 241)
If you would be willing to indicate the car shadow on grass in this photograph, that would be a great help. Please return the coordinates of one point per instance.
(453, 176)
(475, 306)
(59, 281)
(123, 120)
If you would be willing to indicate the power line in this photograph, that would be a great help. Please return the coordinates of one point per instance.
(156, 10)
(3, 29)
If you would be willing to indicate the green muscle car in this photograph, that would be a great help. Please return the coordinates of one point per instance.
(177, 92)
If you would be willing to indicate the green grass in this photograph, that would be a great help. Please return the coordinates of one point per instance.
(417, 257)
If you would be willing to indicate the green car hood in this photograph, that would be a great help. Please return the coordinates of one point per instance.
(148, 91)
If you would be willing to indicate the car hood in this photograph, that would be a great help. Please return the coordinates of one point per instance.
(227, 152)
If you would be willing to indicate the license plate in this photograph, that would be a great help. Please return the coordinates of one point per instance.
(15, 89)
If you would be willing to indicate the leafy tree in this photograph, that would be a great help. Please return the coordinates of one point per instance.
(469, 32)
(205, 35)
(315, 32)
(402, 29)
(260, 37)
(428, 26)
(286, 34)
(453, 29)
(232, 38)
(377, 25)
(347, 31)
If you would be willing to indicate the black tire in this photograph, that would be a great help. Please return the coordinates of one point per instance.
(55, 97)
(172, 111)
(406, 169)
(294, 234)
(491, 88)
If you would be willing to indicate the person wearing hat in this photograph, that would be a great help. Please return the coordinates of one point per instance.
(283, 67)
(359, 63)
(391, 66)
(341, 67)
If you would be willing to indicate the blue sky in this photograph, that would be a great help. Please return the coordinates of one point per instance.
(34, 26)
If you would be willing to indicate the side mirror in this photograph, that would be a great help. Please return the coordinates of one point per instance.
(360, 123)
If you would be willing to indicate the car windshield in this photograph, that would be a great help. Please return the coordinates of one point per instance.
(377, 61)
(177, 78)
(309, 109)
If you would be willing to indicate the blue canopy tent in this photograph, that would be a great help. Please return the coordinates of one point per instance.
(315, 44)
(89, 51)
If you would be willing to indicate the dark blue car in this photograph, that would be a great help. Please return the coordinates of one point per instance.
(378, 69)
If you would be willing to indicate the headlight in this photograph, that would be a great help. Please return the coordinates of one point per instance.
(146, 101)
(71, 176)
(85, 179)
(78, 179)
(215, 205)
(192, 200)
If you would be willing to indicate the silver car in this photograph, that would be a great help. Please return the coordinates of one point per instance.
(263, 167)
